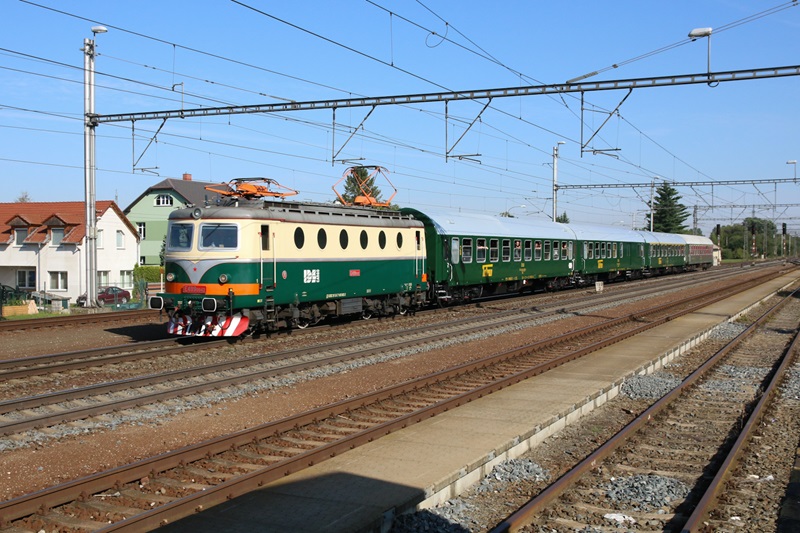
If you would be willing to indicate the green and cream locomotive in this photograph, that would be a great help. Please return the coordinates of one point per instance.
(259, 265)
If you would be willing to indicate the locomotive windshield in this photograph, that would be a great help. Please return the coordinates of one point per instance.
(180, 237)
(219, 236)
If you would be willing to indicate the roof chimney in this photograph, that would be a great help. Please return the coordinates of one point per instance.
(187, 176)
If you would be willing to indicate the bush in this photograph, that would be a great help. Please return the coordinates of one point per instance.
(142, 275)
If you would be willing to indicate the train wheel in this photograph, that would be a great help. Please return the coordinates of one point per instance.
(303, 323)
(366, 314)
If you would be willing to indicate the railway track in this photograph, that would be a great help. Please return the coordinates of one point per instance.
(74, 403)
(690, 441)
(161, 489)
(76, 320)
(24, 367)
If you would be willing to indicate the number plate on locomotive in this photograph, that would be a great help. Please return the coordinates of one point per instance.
(193, 289)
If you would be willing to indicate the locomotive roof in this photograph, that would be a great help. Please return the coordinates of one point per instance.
(314, 213)
(454, 222)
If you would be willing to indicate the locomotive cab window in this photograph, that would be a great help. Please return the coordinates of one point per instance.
(466, 250)
(219, 236)
(180, 237)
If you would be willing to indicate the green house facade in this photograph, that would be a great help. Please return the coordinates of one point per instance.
(150, 211)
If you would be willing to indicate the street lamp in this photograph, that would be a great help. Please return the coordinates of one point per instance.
(703, 32)
(89, 166)
(555, 179)
(793, 162)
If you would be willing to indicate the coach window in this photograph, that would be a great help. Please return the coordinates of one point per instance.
(400, 239)
(466, 250)
(537, 250)
(454, 250)
(528, 253)
(566, 250)
(480, 251)
(587, 250)
(555, 251)
(265, 237)
(322, 238)
(506, 250)
(603, 251)
(382, 239)
(547, 250)
(299, 238)
(494, 250)
(344, 239)
(614, 250)
(569, 250)
(517, 250)
(597, 250)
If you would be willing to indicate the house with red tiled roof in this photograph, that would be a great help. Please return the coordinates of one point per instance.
(42, 247)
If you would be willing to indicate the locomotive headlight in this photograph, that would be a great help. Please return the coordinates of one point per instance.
(223, 278)
(170, 277)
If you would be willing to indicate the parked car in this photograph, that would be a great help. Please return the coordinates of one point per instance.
(107, 295)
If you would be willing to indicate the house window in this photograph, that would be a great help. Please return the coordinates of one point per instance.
(57, 235)
(19, 236)
(142, 230)
(120, 239)
(58, 281)
(142, 260)
(126, 278)
(163, 200)
(102, 278)
(99, 240)
(26, 279)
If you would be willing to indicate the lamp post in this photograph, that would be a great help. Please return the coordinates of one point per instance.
(555, 179)
(793, 162)
(89, 166)
(703, 32)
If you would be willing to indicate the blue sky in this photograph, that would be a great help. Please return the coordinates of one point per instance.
(172, 54)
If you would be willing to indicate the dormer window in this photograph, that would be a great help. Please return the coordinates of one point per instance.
(20, 234)
(163, 200)
(56, 236)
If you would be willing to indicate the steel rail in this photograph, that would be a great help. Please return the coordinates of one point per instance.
(72, 320)
(46, 499)
(695, 522)
(524, 515)
(73, 360)
(15, 426)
